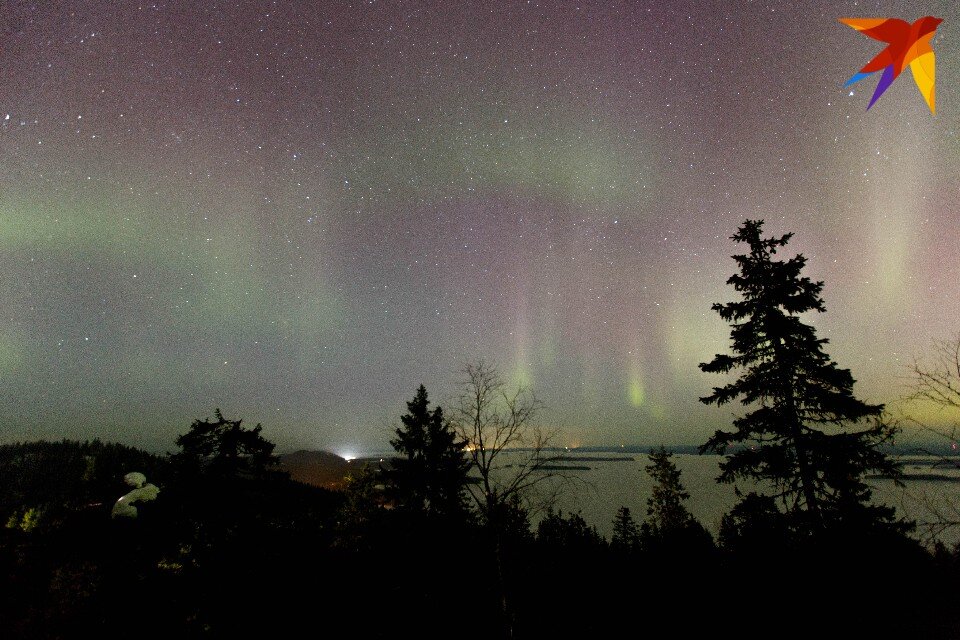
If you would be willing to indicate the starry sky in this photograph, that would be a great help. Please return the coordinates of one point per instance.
(299, 211)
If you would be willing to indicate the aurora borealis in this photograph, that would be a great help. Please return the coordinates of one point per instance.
(299, 211)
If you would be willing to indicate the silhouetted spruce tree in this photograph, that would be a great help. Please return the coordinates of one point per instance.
(513, 521)
(361, 518)
(626, 532)
(797, 395)
(430, 474)
(669, 529)
(665, 511)
(572, 534)
(754, 527)
(225, 449)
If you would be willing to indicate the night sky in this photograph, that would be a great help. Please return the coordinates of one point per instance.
(299, 211)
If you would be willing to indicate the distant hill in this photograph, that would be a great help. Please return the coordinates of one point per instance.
(319, 468)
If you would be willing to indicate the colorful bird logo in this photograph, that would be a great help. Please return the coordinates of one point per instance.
(908, 44)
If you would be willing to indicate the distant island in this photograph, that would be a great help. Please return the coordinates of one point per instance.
(932, 477)
(330, 471)
(563, 467)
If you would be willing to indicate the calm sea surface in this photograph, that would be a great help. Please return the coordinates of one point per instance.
(597, 493)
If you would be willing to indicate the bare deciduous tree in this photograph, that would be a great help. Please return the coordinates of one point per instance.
(496, 421)
(936, 382)
(939, 382)
(509, 451)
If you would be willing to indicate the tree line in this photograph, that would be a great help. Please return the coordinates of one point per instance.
(456, 535)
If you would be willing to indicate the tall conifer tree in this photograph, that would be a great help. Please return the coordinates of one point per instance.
(806, 436)
(430, 474)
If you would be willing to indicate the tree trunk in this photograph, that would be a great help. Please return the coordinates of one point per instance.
(495, 529)
(506, 615)
(806, 476)
(807, 484)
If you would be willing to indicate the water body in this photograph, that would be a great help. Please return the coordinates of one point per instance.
(598, 492)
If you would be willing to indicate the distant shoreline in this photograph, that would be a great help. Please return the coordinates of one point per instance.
(926, 450)
(907, 477)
